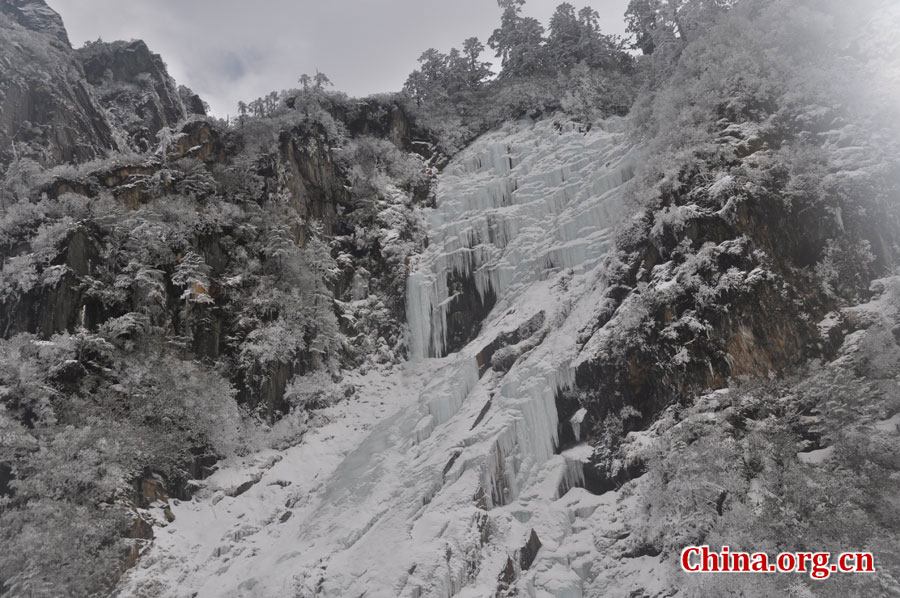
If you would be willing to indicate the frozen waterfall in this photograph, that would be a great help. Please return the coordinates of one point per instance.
(518, 205)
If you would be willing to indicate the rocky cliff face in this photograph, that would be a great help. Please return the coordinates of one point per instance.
(302, 174)
(61, 105)
(47, 110)
(128, 83)
(245, 258)
(784, 213)
(132, 83)
(36, 16)
(717, 293)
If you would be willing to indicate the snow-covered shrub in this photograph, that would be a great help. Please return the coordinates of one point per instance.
(19, 275)
(593, 94)
(844, 267)
(54, 547)
(807, 462)
(372, 164)
(18, 220)
(312, 391)
(270, 344)
(125, 328)
(689, 477)
(79, 418)
(20, 178)
(611, 430)
(46, 242)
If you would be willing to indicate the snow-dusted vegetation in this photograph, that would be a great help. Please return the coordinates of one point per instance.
(166, 309)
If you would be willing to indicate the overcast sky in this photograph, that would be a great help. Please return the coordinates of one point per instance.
(227, 50)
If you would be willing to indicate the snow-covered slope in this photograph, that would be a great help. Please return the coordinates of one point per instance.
(438, 491)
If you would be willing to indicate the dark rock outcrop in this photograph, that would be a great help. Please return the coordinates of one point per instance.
(467, 310)
(386, 121)
(6, 479)
(36, 16)
(507, 577)
(306, 167)
(56, 302)
(199, 140)
(504, 350)
(372, 117)
(193, 103)
(47, 110)
(512, 570)
(263, 386)
(529, 551)
(133, 84)
(712, 287)
(46, 309)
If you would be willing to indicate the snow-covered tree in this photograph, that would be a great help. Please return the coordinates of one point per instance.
(655, 22)
(476, 70)
(426, 84)
(564, 36)
(321, 80)
(242, 112)
(192, 275)
(519, 41)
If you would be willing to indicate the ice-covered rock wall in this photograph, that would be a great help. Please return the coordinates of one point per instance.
(520, 203)
(452, 486)
(530, 213)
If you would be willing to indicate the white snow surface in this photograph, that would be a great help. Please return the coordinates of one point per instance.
(405, 493)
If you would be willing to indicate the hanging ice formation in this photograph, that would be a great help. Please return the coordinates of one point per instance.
(529, 213)
(516, 206)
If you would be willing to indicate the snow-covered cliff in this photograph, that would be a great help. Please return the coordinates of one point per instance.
(451, 485)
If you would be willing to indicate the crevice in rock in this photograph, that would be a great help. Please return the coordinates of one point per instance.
(466, 311)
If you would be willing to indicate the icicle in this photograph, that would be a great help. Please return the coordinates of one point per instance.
(576, 421)
(531, 439)
(510, 208)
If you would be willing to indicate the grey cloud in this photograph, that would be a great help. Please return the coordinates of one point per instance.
(228, 50)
